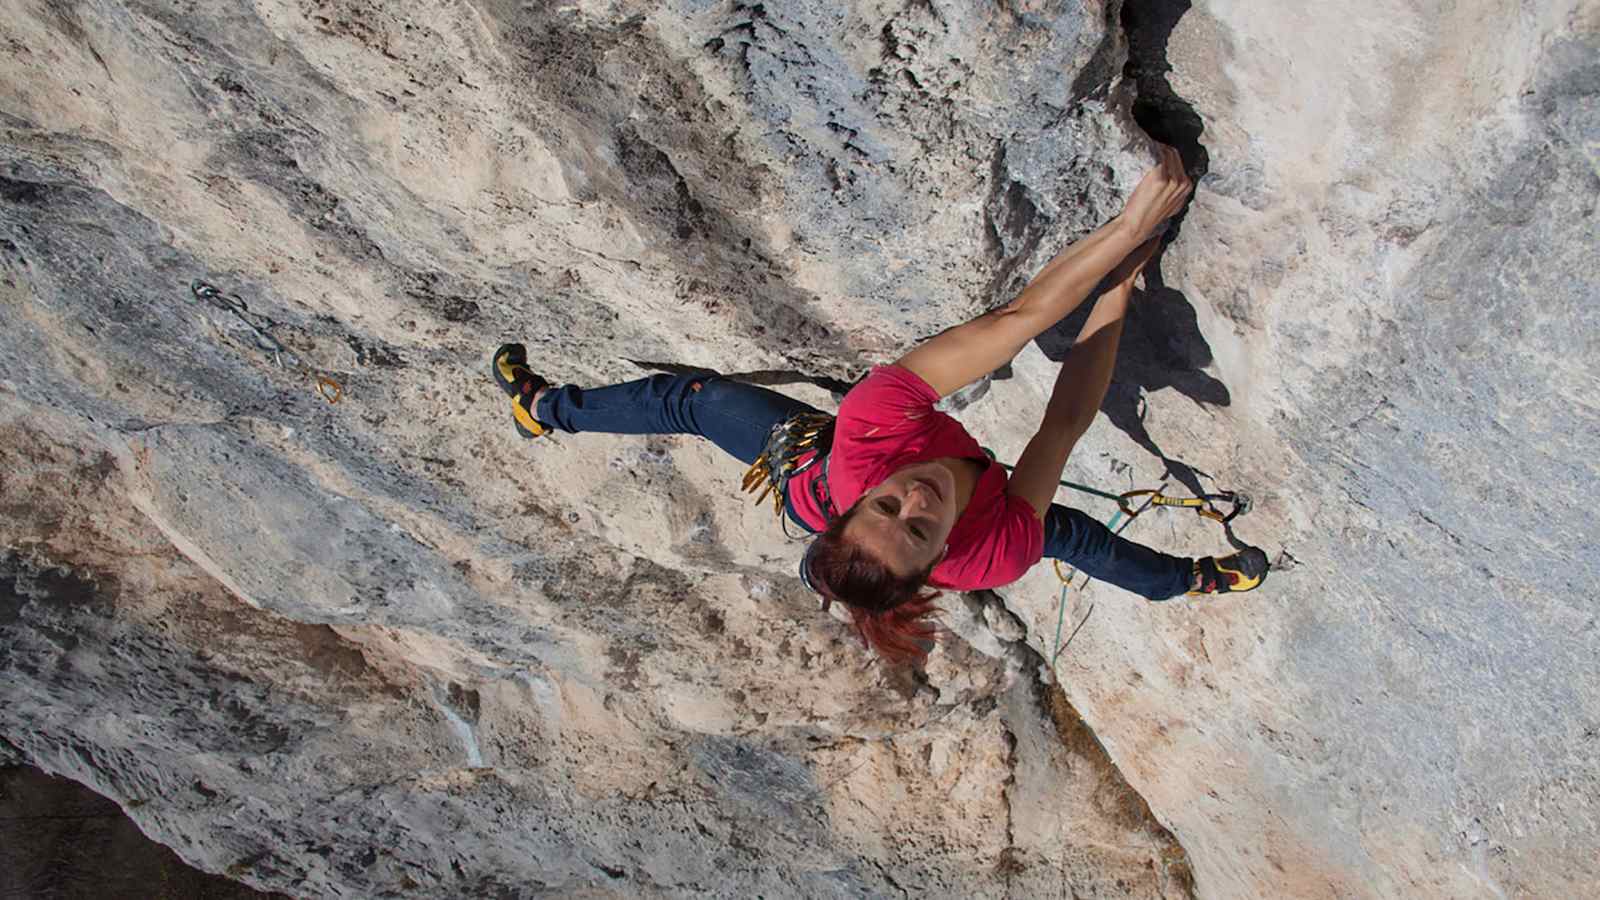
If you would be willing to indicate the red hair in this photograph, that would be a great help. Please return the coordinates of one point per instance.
(893, 613)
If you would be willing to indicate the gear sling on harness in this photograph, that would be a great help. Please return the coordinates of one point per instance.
(781, 458)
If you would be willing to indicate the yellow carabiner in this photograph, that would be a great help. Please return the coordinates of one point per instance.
(1126, 502)
(1065, 579)
(1161, 499)
(330, 390)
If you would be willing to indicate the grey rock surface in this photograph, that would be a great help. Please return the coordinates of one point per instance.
(383, 646)
(1395, 276)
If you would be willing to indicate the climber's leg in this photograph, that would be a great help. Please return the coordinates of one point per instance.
(1080, 541)
(736, 417)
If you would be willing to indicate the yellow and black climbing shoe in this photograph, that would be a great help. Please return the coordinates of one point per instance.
(511, 372)
(1242, 571)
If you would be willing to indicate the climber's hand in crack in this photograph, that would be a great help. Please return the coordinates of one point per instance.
(1160, 194)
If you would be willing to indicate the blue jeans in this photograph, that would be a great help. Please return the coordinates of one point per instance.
(1079, 540)
(737, 418)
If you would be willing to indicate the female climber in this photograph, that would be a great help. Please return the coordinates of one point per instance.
(905, 500)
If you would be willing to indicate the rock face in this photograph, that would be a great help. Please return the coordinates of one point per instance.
(383, 646)
(1393, 261)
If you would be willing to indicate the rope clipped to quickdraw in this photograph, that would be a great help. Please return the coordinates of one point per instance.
(1061, 613)
(1204, 505)
(262, 325)
(786, 455)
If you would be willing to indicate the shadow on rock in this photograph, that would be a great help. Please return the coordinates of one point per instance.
(1162, 347)
(759, 377)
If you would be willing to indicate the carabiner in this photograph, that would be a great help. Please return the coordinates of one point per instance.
(330, 390)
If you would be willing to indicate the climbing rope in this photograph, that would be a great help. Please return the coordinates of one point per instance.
(1204, 505)
(1083, 488)
(1066, 580)
(262, 325)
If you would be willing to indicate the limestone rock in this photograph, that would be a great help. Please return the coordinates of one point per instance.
(383, 646)
(1391, 263)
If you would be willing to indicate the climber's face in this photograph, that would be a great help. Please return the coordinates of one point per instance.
(906, 520)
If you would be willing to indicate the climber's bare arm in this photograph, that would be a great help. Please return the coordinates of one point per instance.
(1080, 387)
(969, 351)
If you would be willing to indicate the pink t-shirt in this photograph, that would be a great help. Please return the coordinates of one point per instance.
(888, 422)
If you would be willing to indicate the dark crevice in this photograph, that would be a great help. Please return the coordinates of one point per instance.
(1012, 224)
(1114, 794)
(1094, 80)
(760, 377)
(1163, 114)
(1009, 863)
(61, 839)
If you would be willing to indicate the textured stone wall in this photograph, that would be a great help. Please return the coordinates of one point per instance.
(1392, 258)
(384, 646)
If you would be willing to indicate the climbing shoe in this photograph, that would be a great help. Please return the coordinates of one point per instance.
(1242, 571)
(511, 372)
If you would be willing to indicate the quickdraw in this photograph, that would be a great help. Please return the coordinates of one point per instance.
(1128, 510)
(1204, 505)
(329, 389)
(785, 455)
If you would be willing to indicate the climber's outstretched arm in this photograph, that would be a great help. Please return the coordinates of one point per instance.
(1080, 387)
(969, 351)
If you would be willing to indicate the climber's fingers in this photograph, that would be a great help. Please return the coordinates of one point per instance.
(1159, 195)
(1177, 184)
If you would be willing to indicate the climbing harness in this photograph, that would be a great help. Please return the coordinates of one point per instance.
(793, 446)
(1081, 488)
(262, 325)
